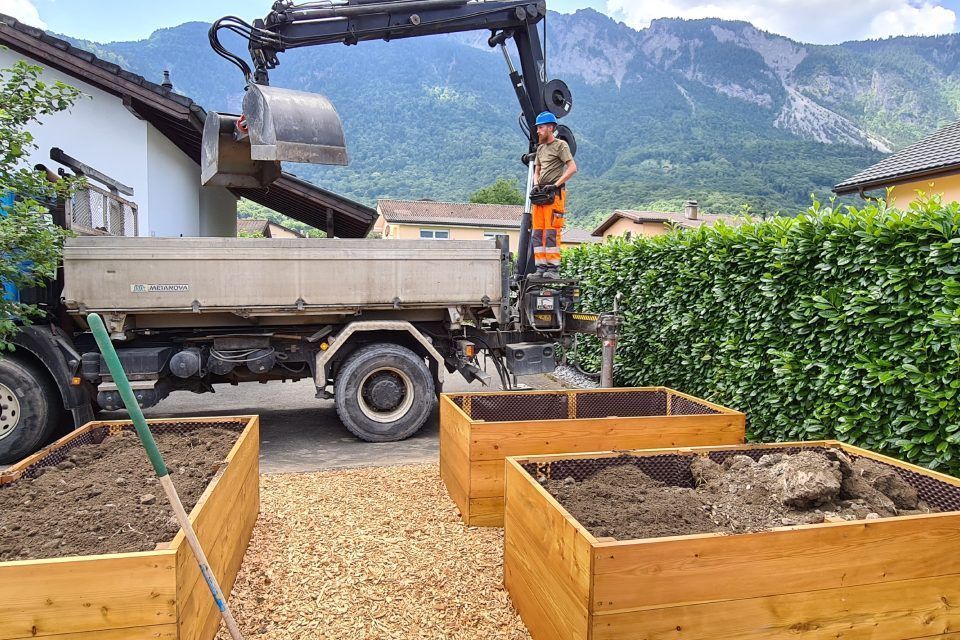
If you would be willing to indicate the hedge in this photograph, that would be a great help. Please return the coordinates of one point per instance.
(837, 324)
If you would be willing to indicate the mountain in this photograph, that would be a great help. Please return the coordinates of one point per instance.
(709, 109)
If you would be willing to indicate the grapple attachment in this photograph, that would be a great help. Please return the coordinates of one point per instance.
(278, 125)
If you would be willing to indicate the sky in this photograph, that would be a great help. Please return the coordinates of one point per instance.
(813, 21)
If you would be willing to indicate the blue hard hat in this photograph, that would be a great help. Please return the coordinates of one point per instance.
(546, 118)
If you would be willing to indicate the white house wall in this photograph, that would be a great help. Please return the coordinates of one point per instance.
(100, 132)
(218, 212)
(97, 131)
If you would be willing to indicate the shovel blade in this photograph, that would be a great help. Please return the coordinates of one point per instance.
(226, 162)
(286, 125)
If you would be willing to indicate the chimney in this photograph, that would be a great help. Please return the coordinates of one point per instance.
(691, 211)
(166, 84)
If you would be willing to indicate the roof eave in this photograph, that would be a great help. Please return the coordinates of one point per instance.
(844, 189)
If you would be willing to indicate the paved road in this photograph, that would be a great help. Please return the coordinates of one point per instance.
(301, 433)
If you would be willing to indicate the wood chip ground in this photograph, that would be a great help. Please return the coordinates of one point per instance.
(372, 553)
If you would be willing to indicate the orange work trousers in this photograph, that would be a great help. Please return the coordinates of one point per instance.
(547, 230)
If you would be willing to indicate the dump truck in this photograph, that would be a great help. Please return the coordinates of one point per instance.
(375, 324)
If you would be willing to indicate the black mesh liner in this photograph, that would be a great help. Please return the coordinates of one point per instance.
(513, 407)
(625, 404)
(458, 400)
(95, 436)
(674, 469)
(681, 406)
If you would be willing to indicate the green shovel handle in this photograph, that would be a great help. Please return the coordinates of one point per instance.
(126, 393)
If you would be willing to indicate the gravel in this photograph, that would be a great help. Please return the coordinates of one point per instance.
(370, 553)
(570, 377)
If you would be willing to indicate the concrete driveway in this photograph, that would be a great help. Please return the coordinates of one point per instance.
(300, 433)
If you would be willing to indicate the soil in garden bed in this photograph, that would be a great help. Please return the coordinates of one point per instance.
(738, 496)
(105, 498)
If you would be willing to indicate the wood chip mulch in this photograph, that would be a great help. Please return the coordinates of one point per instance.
(371, 553)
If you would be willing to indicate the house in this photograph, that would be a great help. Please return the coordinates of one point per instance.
(931, 166)
(573, 237)
(139, 145)
(624, 222)
(264, 229)
(429, 219)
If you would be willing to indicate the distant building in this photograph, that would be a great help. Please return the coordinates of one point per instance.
(264, 228)
(429, 219)
(138, 143)
(573, 237)
(625, 222)
(931, 165)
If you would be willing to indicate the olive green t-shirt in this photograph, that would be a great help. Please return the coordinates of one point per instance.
(552, 158)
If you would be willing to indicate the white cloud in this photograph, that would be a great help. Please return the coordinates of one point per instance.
(24, 11)
(816, 21)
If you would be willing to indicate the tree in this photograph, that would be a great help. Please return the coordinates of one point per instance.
(503, 191)
(30, 244)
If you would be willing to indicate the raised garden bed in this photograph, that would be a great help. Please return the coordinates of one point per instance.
(133, 595)
(884, 579)
(479, 430)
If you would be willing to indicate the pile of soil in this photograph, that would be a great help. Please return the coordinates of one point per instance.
(105, 498)
(738, 496)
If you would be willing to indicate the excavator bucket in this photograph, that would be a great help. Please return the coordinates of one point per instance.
(278, 125)
(226, 161)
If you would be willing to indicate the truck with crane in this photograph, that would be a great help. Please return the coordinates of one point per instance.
(376, 325)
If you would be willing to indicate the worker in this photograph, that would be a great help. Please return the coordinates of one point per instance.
(553, 167)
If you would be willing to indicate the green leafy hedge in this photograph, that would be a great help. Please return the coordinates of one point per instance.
(835, 324)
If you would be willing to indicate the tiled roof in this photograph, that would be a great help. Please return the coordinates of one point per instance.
(572, 235)
(180, 119)
(263, 227)
(935, 154)
(678, 219)
(252, 226)
(453, 213)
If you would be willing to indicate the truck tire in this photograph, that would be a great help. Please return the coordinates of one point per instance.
(384, 393)
(30, 409)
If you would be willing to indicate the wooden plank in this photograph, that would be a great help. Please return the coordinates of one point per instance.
(486, 512)
(886, 611)
(688, 569)
(87, 594)
(486, 478)
(546, 563)
(491, 441)
(454, 454)
(154, 632)
(197, 614)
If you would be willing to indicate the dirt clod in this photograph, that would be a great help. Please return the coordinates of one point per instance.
(85, 507)
(738, 496)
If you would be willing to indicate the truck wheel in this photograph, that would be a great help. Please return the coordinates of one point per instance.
(30, 409)
(384, 393)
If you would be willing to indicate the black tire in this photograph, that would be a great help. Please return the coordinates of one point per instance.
(30, 409)
(396, 390)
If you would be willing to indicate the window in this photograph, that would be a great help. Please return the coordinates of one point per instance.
(492, 235)
(435, 234)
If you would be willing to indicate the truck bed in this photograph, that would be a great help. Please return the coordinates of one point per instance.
(277, 277)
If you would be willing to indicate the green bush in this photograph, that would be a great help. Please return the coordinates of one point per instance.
(837, 324)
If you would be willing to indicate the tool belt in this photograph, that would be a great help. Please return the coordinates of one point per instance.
(544, 194)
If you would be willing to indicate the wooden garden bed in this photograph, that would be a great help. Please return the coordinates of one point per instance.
(886, 579)
(478, 430)
(150, 594)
